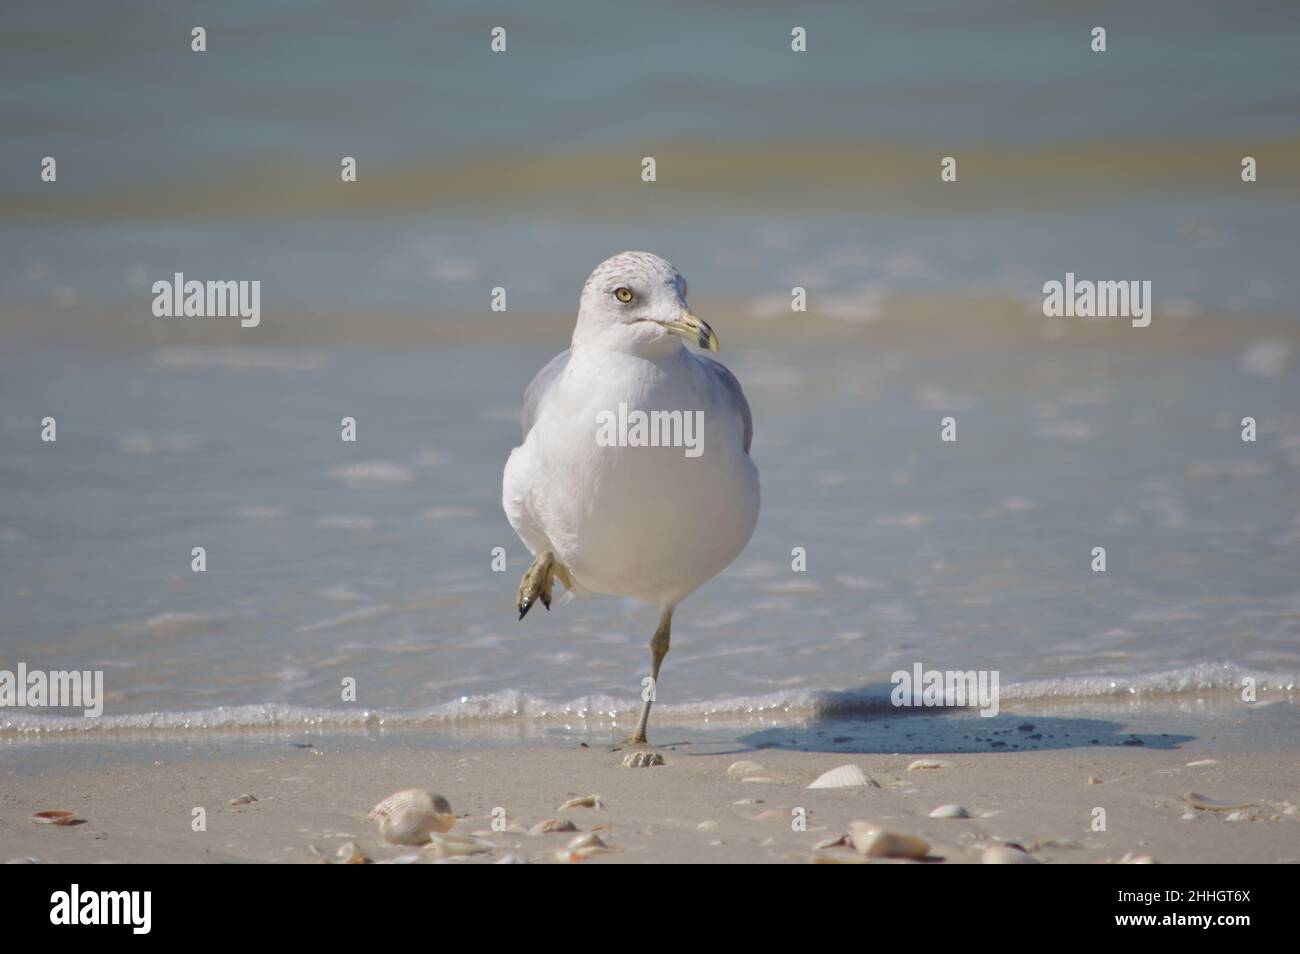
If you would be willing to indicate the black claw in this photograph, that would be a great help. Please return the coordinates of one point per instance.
(524, 607)
(546, 603)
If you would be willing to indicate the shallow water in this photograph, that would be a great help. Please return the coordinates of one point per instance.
(329, 560)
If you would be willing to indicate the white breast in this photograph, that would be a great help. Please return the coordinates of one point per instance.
(650, 523)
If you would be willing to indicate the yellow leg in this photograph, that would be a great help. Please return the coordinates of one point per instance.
(658, 650)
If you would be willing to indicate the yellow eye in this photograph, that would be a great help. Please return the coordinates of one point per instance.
(623, 294)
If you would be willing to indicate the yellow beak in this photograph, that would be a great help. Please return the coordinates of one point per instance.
(692, 329)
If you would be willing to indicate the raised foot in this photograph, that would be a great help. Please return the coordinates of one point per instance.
(538, 582)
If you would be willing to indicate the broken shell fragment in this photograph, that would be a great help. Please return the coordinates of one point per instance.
(927, 764)
(54, 816)
(743, 768)
(950, 811)
(244, 799)
(1208, 804)
(454, 846)
(586, 801)
(584, 846)
(552, 825)
(844, 776)
(1007, 855)
(411, 816)
(351, 854)
(872, 841)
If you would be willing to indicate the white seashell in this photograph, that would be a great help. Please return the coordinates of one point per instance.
(743, 768)
(350, 854)
(588, 840)
(844, 776)
(244, 799)
(1132, 859)
(453, 846)
(586, 801)
(552, 825)
(642, 759)
(405, 860)
(411, 816)
(927, 764)
(1190, 816)
(1007, 855)
(584, 846)
(872, 841)
(709, 825)
(1212, 804)
(1200, 762)
(950, 811)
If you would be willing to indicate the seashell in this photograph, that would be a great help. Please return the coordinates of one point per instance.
(927, 764)
(757, 778)
(642, 759)
(1190, 816)
(55, 816)
(709, 825)
(405, 860)
(244, 799)
(552, 825)
(584, 846)
(872, 841)
(351, 854)
(1007, 855)
(743, 768)
(1094, 780)
(844, 776)
(586, 801)
(584, 842)
(835, 842)
(839, 858)
(454, 846)
(1208, 804)
(1132, 859)
(411, 816)
(950, 811)
(1200, 762)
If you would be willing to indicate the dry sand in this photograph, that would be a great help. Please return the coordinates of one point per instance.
(686, 810)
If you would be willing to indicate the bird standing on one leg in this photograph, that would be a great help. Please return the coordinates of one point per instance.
(664, 506)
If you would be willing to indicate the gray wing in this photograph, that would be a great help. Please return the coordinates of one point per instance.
(540, 385)
(732, 392)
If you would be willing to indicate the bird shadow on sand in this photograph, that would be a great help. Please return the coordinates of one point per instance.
(846, 726)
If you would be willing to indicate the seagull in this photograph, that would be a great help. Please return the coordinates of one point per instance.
(611, 491)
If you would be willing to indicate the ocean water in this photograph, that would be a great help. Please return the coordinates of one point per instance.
(373, 561)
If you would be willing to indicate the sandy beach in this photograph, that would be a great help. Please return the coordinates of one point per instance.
(695, 807)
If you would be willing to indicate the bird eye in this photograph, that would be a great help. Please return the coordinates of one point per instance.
(623, 294)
